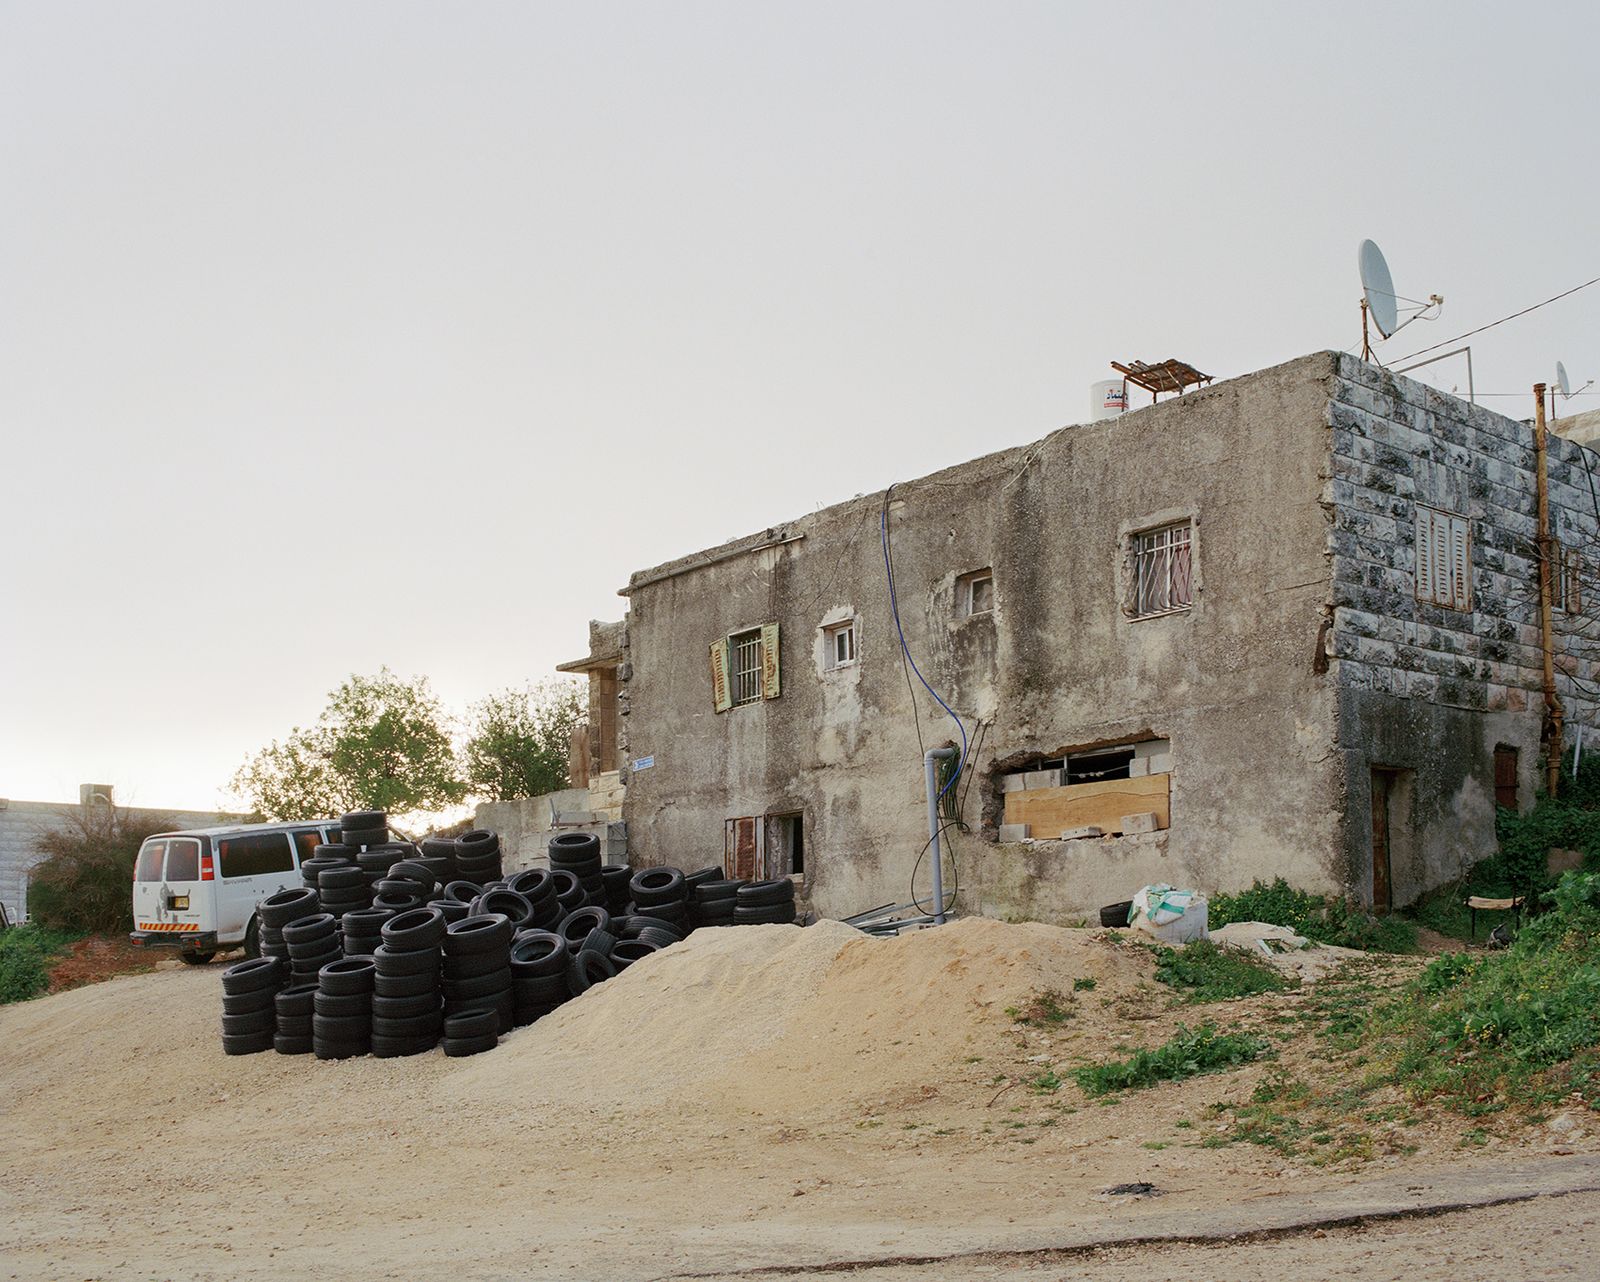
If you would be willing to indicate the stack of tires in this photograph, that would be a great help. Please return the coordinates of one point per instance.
(538, 887)
(478, 856)
(764, 903)
(364, 828)
(538, 974)
(343, 889)
(439, 853)
(406, 1004)
(712, 902)
(362, 930)
(313, 942)
(616, 878)
(662, 893)
(278, 911)
(341, 1020)
(569, 890)
(471, 1031)
(477, 968)
(579, 854)
(295, 1007)
(323, 859)
(249, 1016)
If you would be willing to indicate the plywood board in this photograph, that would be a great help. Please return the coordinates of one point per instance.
(1050, 811)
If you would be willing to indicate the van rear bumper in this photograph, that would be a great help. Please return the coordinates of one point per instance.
(196, 941)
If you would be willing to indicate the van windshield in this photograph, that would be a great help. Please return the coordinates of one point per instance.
(183, 859)
(149, 866)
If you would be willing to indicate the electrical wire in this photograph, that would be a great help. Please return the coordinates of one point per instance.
(905, 648)
(1553, 299)
(955, 872)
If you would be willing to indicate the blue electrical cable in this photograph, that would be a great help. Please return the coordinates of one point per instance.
(894, 606)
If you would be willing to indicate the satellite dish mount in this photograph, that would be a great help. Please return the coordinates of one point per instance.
(1380, 305)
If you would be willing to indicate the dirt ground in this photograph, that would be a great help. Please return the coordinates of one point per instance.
(100, 957)
(756, 1098)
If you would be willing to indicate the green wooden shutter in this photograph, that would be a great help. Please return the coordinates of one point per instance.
(721, 696)
(769, 661)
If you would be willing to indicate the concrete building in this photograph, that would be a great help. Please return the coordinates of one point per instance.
(1286, 625)
(23, 823)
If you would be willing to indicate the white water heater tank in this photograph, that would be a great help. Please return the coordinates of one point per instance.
(1107, 399)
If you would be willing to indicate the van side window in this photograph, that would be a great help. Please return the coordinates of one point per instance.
(149, 866)
(183, 860)
(306, 843)
(254, 855)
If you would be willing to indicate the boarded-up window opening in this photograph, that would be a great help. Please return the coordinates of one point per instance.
(1103, 765)
(1505, 776)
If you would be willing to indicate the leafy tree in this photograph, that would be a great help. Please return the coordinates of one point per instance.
(380, 744)
(518, 740)
(85, 881)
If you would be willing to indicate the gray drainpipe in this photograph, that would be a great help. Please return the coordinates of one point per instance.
(931, 771)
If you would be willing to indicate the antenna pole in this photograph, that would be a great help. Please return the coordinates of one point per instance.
(1366, 345)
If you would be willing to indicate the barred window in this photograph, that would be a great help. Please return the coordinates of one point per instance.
(746, 650)
(1164, 582)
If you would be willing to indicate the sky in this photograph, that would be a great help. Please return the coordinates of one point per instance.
(338, 335)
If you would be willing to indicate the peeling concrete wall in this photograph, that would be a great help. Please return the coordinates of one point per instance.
(525, 827)
(1257, 786)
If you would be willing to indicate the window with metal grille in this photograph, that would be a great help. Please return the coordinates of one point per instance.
(1163, 573)
(1444, 559)
(745, 651)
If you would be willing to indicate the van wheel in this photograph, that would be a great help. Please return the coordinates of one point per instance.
(252, 938)
(196, 959)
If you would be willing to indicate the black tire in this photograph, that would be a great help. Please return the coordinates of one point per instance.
(504, 1005)
(416, 961)
(344, 877)
(533, 884)
(201, 959)
(419, 928)
(628, 951)
(295, 1001)
(404, 887)
(362, 819)
(288, 1045)
(246, 1044)
(396, 904)
(412, 1026)
(255, 1021)
(660, 938)
(574, 847)
(459, 1047)
(341, 1028)
(248, 976)
(585, 970)
(656, 885)
(472, 1023)
(641, 921)
(294, 1025)
(763, 894)
(438, 847)
(515, 908)
(324, 1049)
(578, 925)
(405, 1007)
(310, 930)
(366, 838)
(405, 985)
(395, 1047)
(465, 891)
(248, 1003)
(772, 915)
(708, 892)
(342, 1005)
(547, 989)
(453, 909)
(306, 970)
(413, 870)
(700, 877)
(599, 941)
(478, 844)
(334, 850)
(480, 933)
(472, 965)
(490, 985)
(538, 953)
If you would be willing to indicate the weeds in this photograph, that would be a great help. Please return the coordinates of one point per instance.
(25, 952)
(1188, 1053)
(1317, 917)
(1083, 984)
(1212, 974)
(1047, 1008)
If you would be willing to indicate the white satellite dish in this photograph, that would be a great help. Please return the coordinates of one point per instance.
(1380, 303)
(1563, 384)
(1377, 287)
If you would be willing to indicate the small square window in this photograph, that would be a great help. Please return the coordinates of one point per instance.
(839, 644)
(975, 593)
(1162, 565)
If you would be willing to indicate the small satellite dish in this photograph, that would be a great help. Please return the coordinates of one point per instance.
(1377, 287)
(1563, 384)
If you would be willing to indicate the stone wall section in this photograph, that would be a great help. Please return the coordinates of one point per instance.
(1397, 444)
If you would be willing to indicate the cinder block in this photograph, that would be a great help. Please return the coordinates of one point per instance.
(1073, 834)
(1012, 783)
(1146, 822)
(1042, 779)
(1015, 832)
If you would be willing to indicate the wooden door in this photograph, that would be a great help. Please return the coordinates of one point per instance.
(1382, 788)
(1505, 777)
(742, 848)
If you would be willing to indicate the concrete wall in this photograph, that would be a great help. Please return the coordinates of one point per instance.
(22, 823)
(1059, 665)
(525, 827)
(1426, 689)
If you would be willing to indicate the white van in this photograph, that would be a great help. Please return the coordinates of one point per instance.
(197, 891)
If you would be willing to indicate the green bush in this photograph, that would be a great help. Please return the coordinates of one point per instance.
(1188, 1053)
(1212, 974)
(24, 952)
(85, 883)
(1317, 917)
